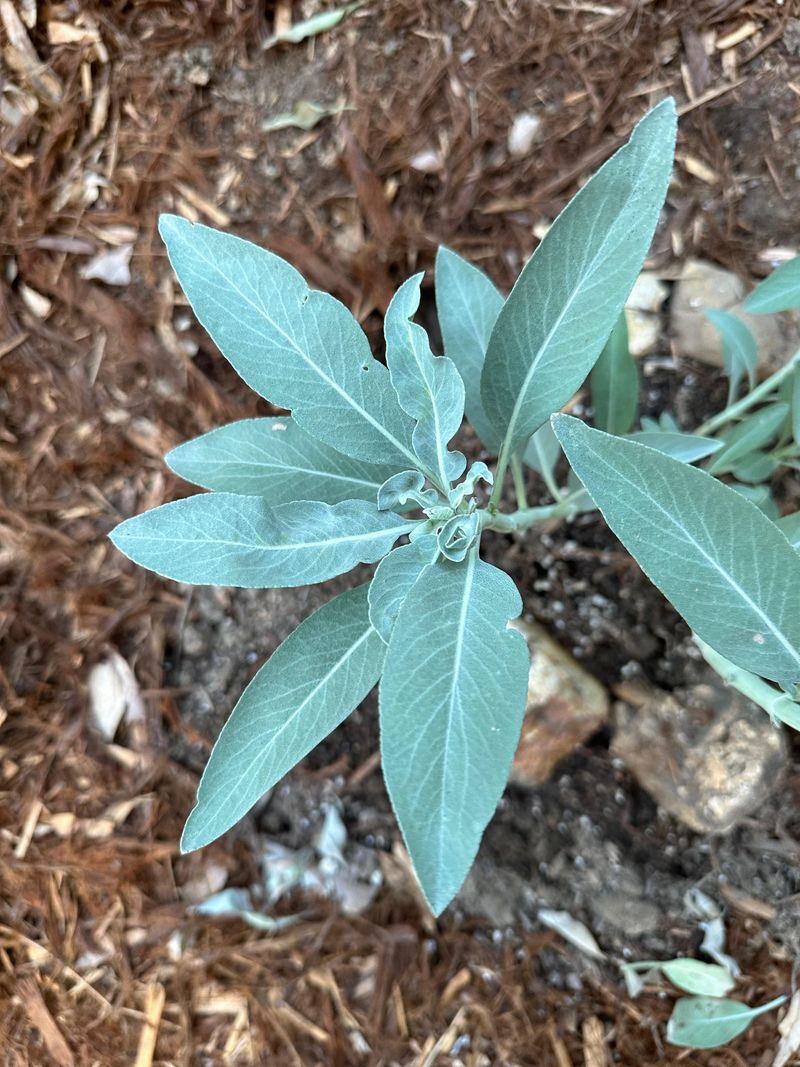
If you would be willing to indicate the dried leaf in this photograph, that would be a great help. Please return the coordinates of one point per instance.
(571, 930)
(111, 266)
(320, 23)
(304, 115)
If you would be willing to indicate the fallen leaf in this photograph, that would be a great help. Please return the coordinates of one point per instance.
(304, 115)
(111, 266)
(321, 23)
(571, 930)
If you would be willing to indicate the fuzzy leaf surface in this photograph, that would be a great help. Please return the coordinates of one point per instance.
(615, 383)
(739, 348)
(725, 567)
(572, 290)
(694, 976)
(428, 387)
(307, 687)
(393, 579)
(452, 698)
(707, 1022)
(542, 451)
(224, 539)
(749, 435)
(276, 459)
(687, 447)
(467, 306)
(780, 291)
(299, 348)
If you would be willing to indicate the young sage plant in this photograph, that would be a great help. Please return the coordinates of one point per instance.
(363, 471)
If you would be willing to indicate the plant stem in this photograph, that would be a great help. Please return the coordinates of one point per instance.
(733, 411)
(523, 519)
(499, 475)
(777, 705)
(518, 475)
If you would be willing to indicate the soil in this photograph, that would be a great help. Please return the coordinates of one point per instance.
(99, 949)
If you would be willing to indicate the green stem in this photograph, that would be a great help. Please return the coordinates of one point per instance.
(518, 475)
(527, 517)
(733, 411)
(500, 474)
(779, 706)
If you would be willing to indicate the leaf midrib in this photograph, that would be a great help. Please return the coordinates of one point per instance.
(246, 771)
(260, 310)
(372, 535)
(776, 632)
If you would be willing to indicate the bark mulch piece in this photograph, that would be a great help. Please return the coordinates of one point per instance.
(109, 114)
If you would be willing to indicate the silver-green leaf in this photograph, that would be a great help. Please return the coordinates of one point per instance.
(780, 291)
(749, 435)
(310, 684)
(686, 447)
(720, 561)
(428, 387)
(452, 698)
(739, 349)
(467, 305)
(542, 451)
(694, 976)
(615, 383)
(275, 459)
(299, 348)
(707, 1022)
(393, 579)
(571, 292)
(224, 539)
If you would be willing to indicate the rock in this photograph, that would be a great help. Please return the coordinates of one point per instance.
(702, 286)
(634, 915)
(565, 706)
(707, 756)
(642, 313)
(643, 331)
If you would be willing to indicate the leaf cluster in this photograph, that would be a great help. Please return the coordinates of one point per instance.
(363, 471)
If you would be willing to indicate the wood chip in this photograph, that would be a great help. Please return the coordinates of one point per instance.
(559, 1048)
(730, 40)
(154, 1006)
(21, 56)
(39, 1016)
(456, 985)
(698, 169)
(205, 207)
(69, 33)
(26, 834)
(594, 1043)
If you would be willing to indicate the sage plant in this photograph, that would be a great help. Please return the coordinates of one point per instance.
(363, 471)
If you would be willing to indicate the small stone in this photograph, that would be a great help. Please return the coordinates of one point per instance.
(635, 915)
(703, 286)
(648, 293)
(524, 131)
(426, 162)
(643, 331)
(706, 755)
(566, 705)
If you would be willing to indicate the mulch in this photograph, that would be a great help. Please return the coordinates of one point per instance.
(110, 113)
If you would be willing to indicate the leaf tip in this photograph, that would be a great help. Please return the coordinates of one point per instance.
(170, 226)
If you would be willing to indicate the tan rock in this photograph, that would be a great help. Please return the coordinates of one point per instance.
(565, 706)
(703, 286)
(707, 756)
(643, 313)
